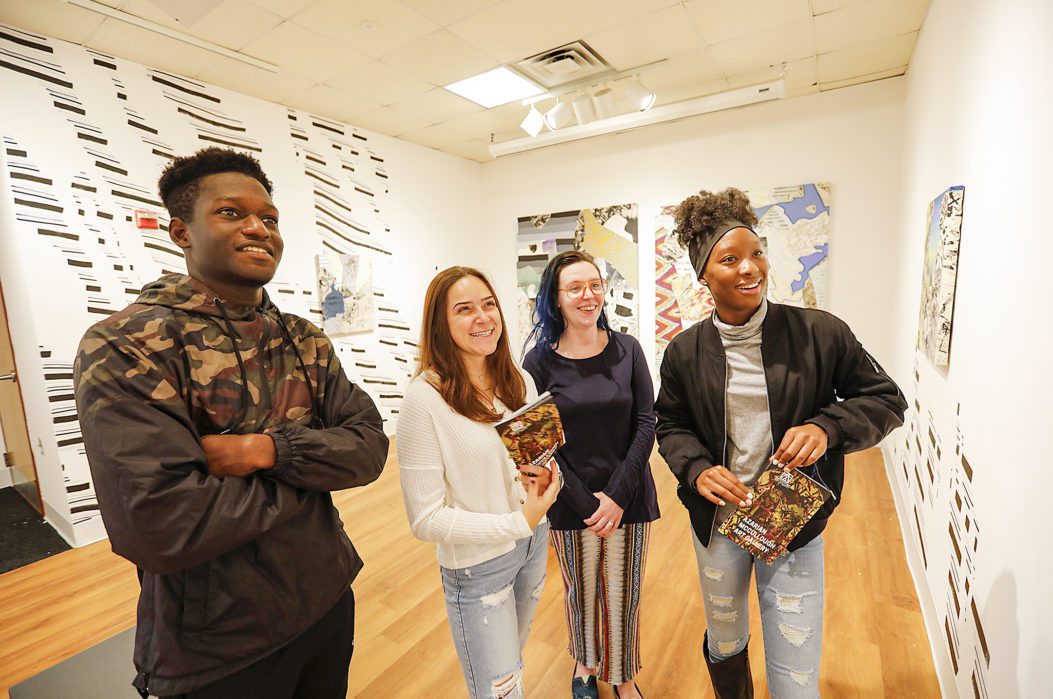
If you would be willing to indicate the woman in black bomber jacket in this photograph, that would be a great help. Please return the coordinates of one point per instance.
(754, 384)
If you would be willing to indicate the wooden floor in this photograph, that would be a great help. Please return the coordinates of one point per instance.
(875, 643)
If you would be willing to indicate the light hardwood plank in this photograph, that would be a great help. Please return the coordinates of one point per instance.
(875, 642)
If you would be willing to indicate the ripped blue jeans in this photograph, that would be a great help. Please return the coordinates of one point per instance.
(490, 607)
(790, 592)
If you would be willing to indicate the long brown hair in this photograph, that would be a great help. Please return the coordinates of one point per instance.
(440, 355)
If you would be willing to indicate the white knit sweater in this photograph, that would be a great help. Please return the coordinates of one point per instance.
(458, 483)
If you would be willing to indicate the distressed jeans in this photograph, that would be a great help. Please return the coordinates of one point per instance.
(790, 592)
(490, 607)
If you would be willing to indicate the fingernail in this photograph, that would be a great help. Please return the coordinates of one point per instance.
(722, 503)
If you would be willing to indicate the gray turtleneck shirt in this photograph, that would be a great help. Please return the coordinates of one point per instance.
(749, 440)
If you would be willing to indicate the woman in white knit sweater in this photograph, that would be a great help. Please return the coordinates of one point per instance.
(460, 488)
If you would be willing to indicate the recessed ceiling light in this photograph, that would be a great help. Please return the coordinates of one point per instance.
(495, 87)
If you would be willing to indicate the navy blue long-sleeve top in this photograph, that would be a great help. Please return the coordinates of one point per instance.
(606, 403)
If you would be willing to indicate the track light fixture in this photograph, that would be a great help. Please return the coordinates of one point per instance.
(559, 116)
(588, 126)
(603, 99)
(533, 122)
(584, 112)
(639, 95)
(592, 101)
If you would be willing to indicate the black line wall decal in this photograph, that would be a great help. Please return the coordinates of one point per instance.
(86, 136)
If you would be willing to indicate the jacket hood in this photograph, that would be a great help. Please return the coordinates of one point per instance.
(183, 292)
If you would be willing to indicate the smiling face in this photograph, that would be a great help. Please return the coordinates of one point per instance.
(737, 275)
(581, 292)
(231, 243)
(473, 317)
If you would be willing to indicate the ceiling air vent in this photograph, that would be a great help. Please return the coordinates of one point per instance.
(570, 63)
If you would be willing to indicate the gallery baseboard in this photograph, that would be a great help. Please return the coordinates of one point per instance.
(941, 661)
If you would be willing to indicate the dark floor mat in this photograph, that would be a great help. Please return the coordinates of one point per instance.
(104, 671)
(24, 535)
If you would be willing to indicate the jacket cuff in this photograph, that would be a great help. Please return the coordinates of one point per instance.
(694, 470)
(832, 429)
(283, 449)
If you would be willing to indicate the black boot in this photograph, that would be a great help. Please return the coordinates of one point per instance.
(731, 678)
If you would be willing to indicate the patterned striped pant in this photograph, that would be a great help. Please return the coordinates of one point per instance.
(602, 580)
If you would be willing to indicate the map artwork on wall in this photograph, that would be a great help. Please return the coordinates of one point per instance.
(609, 234)
(794, 224)
(942, 238)
(345, 291)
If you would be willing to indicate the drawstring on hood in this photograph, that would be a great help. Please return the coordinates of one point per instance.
(245, 395)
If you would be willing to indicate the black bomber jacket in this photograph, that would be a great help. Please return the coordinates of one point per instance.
(816, 372)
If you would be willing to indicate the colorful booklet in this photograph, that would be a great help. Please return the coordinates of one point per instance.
(783, 502)
(533, 433)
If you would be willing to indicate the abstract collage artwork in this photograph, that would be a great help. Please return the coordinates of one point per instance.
(609, 234)
(345, 287)
(936, 313)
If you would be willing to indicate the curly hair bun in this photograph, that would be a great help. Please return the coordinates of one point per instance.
(703, 218)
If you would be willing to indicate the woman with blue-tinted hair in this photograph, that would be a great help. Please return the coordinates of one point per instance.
(601, 520)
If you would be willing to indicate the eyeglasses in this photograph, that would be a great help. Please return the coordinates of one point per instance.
(596, 286)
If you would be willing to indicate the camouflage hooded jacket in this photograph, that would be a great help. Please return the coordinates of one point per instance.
(232, 568)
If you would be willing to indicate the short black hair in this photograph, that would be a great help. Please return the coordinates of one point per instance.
(180, 181)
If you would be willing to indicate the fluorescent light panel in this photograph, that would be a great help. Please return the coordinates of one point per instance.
(633, 120)
(495, 87)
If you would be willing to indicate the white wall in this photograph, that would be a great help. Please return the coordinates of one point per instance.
(978, 113)
(850, 138)
(70, 143)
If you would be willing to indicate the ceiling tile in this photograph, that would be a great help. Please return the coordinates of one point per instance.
(446, 12)
(517, 29)
(304, 52)
(719, 20)
(380, 82)
(285, 8)
(51, 18)
(393, 24)
(766, 48)
(484, 123)
(647, 39)
(869, 58)
(802, 77)
(241, 77)
(683, 71)
(866, 22)
(691, 91)
(152, 49)
(435, 136)
(823, 6)
(387, 121)
(330, 102)
(753, 77)
(235, 24)
(437, 106)
(477, 150)
(859, 79)
(441, 58)
(144, 9)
